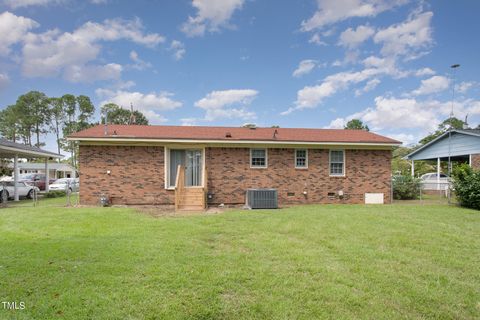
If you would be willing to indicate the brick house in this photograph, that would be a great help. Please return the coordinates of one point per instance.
(132, 164)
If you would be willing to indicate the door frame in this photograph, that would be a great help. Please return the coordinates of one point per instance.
(166, 163)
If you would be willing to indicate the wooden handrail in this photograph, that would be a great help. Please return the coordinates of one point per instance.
(181, 190)
(179, 185)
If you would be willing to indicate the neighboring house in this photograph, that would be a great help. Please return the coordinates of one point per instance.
(139, 164)
(462, 146)
(55, 170)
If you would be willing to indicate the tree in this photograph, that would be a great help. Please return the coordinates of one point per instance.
(8, 123)
(467, 186)
(443, 127)
(36, 114)
(58, 118)
(356, 124)
(4, 168)
(119, 115)
(78, 112)
(401, 166)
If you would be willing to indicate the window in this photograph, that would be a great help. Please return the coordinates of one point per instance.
(258, 158)
(301, 158)
(337, 163)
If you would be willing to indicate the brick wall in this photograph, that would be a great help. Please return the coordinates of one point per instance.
(137, 175)
(229, 175)
(476, 161)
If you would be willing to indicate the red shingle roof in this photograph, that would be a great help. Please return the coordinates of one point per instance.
(235, 133)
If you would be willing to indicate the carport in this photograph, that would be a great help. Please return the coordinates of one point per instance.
(453, 145)
(12, 150)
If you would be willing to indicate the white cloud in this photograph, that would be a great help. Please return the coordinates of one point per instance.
(351, 38)
(52, 53)
(424, 72)
(211, 16)
(399, 113)
(332, 11)
(116, 29)
(338, 123)
(178, 49)
(351, 56)
(315, 39)
(371, 84)
(432, 85)
(387, 65)
(408, 37)
(14, 4)
(92, 73)
(188, 121)
(392, 114)
(4, 80)
(13, 29)
(304, 67)
(150, 104)
(312, 96)
(227, 104)
(463, 87)
(139, 64)
(374, 68)
(124, 85)
(405, 138)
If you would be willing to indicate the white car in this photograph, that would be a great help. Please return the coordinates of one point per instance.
(7, 190)
(430, 181)
(65, 183)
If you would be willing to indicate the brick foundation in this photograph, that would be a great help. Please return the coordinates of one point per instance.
(137, 175)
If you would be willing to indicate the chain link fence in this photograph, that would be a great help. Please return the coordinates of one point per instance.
(427, 192)
(63, 192)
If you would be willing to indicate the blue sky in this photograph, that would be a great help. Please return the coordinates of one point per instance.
(311, 63)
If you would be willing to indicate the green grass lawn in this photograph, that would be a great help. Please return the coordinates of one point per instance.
(306, 262)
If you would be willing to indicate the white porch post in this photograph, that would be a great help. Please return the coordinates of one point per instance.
(47, 176)
(470, 160)
(438, 173)
(413, 169)
(15, 178)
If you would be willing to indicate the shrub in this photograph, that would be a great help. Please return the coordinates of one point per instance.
(55, 194)
(466, 182)
(406, 187)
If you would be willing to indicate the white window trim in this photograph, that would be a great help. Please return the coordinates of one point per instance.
(166, 162)
(330, 162)
(306, 159)
(266, 159)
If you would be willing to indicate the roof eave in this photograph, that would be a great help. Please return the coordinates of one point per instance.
(407, 157)
(221, 141)
(31, 153)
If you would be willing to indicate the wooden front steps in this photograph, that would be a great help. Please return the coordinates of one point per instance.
(191, 199)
